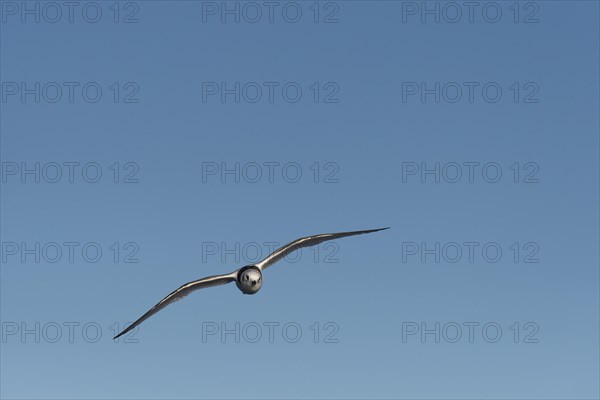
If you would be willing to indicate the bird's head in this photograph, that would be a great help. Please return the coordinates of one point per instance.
(249, 279)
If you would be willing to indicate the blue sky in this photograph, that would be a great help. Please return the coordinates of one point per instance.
(146, 144)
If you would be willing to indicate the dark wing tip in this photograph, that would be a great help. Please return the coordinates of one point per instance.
(119, 335)
(352, 233)
(376, 230)
(130, 327)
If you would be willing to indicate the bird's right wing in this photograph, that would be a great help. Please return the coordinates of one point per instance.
(306, 242)
(181, 293)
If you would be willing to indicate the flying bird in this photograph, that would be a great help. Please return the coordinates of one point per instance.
(248, 279)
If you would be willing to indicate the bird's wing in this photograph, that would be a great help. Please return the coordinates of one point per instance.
(181, 293)
(306, 242)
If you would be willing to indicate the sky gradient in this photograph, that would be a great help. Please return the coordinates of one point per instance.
(146, 144)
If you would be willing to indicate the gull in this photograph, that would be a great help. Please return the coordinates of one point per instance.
(248, 279)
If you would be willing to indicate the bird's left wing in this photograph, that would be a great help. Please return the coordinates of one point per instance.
(181, 293)
(306, 242)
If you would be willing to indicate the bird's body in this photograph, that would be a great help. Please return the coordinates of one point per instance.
(248, 279)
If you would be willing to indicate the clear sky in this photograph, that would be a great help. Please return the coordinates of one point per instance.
(145, 144)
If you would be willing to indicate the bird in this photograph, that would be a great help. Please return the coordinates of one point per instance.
(248, 278)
